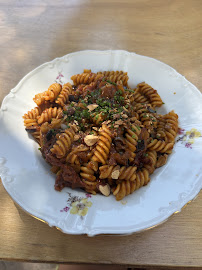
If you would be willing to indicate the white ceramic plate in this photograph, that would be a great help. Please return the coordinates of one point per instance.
(27, 177)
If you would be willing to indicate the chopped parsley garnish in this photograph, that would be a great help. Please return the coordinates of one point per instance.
(130, 90)
(110, 82)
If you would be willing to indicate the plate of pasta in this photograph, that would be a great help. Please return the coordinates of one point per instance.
(102, 142)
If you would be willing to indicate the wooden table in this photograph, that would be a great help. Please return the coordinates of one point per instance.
(33, 32)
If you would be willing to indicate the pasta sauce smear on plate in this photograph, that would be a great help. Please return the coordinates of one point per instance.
(100, 135)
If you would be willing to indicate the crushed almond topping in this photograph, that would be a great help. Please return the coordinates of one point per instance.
(63, 126)
(92, 107)
(105, 190)
(107, 122)
(76, 137)
(115, 174)
(116, 116)
(119, 122)
(133, 119)
(91, 139)
(125, 116)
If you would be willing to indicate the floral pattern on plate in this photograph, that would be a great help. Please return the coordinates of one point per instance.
(77, 205)
(188, 137)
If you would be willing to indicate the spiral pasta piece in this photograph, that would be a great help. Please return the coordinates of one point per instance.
(115, 76)
(103, 145)
(167, 126)
(33, 114)
(172, 121)
(128, 187)
(36, 136)
(107, 170)
(39, 99)
(161, 146)
(147, 118)
(122, 173)
(88, 178)
(150, 94)
(48, 114)
(30, 123)
(72, 157)
(132, 138)
(137, 97)
(152, 155)
(52, 92)
(30, 118)
(161, 160)
(62, 145)
(98, 118)
(63, 97)
(87, 173)
(161, 122)
(49, 95)
(85, 78)
(90, 186)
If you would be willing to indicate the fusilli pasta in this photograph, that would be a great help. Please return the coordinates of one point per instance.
(103, 145)
(151, 94)
(63, 143)
(49, 95)
(100, 135)
(63, 97)
(48, 114)
(128, 187)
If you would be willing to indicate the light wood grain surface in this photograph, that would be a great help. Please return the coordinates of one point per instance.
(33, 32)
